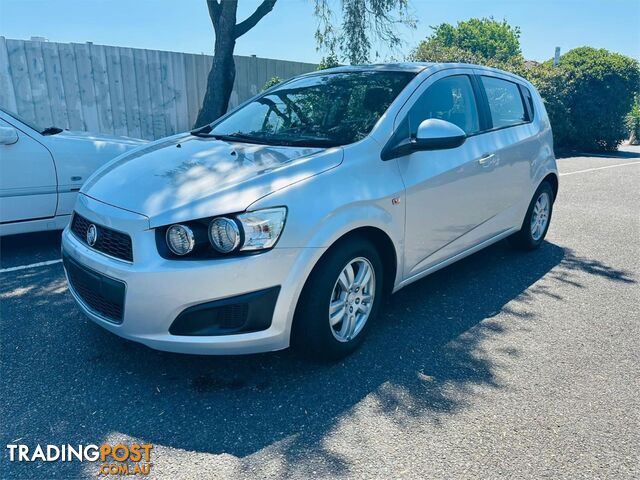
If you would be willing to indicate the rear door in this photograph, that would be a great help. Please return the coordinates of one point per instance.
(511, 138)
(28, 184)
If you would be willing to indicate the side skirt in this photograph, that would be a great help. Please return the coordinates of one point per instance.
(28, 226)
(454, 258)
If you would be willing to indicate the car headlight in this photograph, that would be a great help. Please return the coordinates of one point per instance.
(224, 234)
(262, 228)
(245, 232)
(180, 239)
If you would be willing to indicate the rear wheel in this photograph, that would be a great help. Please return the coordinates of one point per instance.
(339, 301)
(537, 220)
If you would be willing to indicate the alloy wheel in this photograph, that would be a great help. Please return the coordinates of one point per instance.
(352, 299)
(540, 216)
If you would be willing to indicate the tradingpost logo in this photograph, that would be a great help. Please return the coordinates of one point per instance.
(118, 459)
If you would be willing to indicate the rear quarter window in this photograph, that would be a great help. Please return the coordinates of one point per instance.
(528, 100)
(505, 102)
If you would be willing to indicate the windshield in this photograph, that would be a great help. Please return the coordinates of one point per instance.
(32, 125)
(28, 123)
(317, 111)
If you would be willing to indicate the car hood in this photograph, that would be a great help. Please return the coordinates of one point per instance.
(78, 154)
(185, 177)
(97, 142)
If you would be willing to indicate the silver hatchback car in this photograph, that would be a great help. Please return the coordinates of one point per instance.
(289, 219)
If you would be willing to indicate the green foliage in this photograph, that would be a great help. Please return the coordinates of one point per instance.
(597, 90)
(478, 40)
(587, 96)
(272, 82)
(364, 25)
(633, 123)
(329, 61)
(551, 84)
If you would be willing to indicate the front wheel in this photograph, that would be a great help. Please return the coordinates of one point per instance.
(537, 220)
(339, 300)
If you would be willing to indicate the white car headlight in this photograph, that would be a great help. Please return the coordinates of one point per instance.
(262, 228)
(224, 234)
(180, 239)
(245, 232)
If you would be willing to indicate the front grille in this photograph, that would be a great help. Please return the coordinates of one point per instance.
(110, 242)
(100, 294)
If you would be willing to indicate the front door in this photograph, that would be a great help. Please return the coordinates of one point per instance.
(28, 181)
(448, 192)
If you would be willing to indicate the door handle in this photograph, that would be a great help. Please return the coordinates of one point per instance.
(487, 160)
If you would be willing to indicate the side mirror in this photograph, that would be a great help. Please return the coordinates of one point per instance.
(436, 134)
(432, 134)
(8, 136)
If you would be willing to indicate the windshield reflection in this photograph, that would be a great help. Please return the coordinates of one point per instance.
(316, 111)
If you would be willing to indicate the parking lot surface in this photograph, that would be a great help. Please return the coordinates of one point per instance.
(505, 365)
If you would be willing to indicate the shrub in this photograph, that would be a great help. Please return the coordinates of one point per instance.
(587, 96)
(477, 38)
(551, 84)
(596, 89)
(633, 123)
(329, 61)
(272, 82)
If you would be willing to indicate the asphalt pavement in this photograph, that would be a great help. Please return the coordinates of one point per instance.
(504, 365)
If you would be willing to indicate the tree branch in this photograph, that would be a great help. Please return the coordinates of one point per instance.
(243, 27)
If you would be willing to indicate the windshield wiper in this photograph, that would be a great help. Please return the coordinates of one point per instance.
(274, 141)
(228, 137)
(51, 131)
(202, 131)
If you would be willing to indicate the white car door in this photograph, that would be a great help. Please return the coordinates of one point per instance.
(28, 183)
(449, 192)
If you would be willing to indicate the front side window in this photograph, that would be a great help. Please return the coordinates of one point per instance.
(505, 102)
(451, 99)
(320, 110)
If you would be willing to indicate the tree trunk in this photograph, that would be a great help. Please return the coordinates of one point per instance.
(223, 70)
(219, 83)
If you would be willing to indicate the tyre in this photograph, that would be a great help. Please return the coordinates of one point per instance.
(339, 301)
(536, 221)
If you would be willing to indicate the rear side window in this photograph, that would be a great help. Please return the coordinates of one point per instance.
(451, 99)
(528, 100)
(505, 102)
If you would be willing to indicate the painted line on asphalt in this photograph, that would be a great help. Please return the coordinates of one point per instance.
(33, 265)
(599, 168)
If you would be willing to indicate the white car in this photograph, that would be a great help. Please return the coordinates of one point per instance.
(42, 170)
(287, 220)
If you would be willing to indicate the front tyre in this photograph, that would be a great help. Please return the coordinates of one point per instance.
(537, 220)
(339, 301)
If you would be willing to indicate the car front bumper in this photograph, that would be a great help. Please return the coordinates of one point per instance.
(158, 290)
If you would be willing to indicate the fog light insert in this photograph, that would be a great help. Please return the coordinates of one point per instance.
(224, 234)
(180, 239)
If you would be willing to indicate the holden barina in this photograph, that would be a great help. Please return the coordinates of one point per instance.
(288, 220)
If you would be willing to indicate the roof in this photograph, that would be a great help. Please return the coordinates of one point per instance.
(415, 67)
(390, 67)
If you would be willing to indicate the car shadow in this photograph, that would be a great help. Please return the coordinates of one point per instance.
(29, 248)
(69, 381)
(619, 154)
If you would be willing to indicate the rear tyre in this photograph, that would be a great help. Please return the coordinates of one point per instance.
(339, 301)
(536, 221)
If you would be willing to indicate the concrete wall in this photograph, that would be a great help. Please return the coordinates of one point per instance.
(124, 91)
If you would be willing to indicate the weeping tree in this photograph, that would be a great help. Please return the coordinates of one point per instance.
(347, 29)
